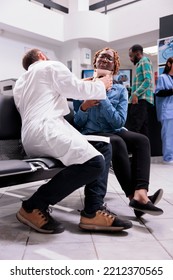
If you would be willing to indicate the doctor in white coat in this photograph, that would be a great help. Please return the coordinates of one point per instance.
(40, 96)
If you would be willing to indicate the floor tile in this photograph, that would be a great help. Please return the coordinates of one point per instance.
(61, 251)
(150, 237)
(133, 250)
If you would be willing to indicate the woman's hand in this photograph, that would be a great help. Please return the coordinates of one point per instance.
(88, 104)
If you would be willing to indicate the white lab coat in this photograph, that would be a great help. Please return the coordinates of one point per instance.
(40, 96)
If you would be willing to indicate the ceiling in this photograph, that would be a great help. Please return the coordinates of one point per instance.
(105, 6)
(122, 45)
(109, 6)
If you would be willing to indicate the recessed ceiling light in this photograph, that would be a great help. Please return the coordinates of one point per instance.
(151, 50)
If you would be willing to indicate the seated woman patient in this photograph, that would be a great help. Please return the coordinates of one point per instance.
(107, 117)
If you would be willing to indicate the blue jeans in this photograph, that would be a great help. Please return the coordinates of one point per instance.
(96, 190)
(93, 174)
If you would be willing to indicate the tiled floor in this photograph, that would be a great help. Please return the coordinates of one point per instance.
(151, 238)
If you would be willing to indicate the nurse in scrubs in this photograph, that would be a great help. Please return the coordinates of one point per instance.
(164, 109)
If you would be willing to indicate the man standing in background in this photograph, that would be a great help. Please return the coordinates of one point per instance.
(142, 91)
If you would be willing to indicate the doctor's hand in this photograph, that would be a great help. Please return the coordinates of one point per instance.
(88, 104)
(108, 81)
(88, 79)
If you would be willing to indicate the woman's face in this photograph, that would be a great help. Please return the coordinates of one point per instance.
(105, 60)
(170, 65)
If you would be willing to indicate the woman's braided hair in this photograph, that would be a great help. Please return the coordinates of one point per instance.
(116, 59)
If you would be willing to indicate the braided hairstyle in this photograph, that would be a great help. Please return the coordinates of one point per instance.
(116, 59)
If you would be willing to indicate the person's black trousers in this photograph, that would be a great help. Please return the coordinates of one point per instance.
(132, 172)
(138, 117)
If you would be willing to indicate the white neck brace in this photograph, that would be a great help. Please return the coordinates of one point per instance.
(101, 72)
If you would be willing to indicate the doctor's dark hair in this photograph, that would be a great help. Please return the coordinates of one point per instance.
(168, 67)
(136, 48)
(30, 57)
(116, 59)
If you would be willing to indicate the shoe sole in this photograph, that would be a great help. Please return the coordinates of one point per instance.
(158, 197)
(28, 223)
(101, 228)
(154, 213)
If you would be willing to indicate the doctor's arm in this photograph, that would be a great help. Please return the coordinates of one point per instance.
(67, 84)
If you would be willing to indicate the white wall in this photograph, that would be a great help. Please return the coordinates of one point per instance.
(141, 17)
(26, 17)
(28, 25)
(12, 49)
(85, 24)
(70, 51)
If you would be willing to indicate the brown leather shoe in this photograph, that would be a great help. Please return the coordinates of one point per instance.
(103, 220)
(40, 220)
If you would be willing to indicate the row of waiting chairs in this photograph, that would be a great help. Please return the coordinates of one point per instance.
(15, 167)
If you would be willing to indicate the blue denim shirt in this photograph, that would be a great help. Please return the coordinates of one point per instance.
(109, 116)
